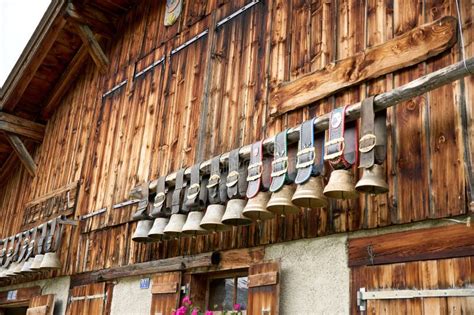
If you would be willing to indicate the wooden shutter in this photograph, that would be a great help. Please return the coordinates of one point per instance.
(264, 288)
(90, 299)
(165, 291)
(41, 305)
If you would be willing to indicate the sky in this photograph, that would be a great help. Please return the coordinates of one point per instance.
(18, 21)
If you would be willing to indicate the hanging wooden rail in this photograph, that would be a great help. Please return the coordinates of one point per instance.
(382, 101)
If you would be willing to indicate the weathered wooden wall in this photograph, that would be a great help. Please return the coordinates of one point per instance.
(212, 96)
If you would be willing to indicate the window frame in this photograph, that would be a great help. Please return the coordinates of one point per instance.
(234, 274)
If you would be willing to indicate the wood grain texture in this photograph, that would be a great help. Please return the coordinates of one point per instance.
(403, 51)
(41, 305)
(264, 297)
(165, 302)
(424, 244)
(21, 127)
(22, 153)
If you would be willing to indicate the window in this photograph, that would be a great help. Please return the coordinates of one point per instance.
(225, 292)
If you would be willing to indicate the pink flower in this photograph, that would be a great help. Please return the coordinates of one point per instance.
(186, 301)
(173, 313)
(209, 313)
(181, 311)
(237, 307)
(195, 312)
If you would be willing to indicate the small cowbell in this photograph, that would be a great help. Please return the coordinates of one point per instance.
(341, 185)
(11, 270)
(27, 266)
(233, 213)
(280, 202)
(372, 181)
(175, 225)
(141, 232)
(192, 226)
(256, 207)
(212, 220)
(18, 268)
(50, 261)
(35, 266)
(157, 231)
(310, 194)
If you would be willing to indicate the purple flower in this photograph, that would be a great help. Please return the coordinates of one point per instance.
(237, 307)
(186, 301)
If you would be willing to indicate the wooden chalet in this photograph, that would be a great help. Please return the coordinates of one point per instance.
(112, 98)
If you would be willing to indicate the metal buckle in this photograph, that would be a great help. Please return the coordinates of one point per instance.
(303, 152)
(231, 183)
(213, 181)
(193, 191)
(284, 161)
(367, 138)
(256, 176)
(159, 199)
(337, 154)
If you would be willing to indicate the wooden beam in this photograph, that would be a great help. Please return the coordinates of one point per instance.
(64, 82)
(423, 244)
(408, 49)
(87, 16)
(7, 167)
(33, 55)
(23, 295)
(22, 127)
(22, 153)
(93, 47)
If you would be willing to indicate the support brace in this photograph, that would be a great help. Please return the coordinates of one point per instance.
(22, 153)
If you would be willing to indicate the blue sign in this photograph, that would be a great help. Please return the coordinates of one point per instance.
(145, 283)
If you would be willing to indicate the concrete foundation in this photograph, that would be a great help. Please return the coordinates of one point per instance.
(314, 275)
(128, 298)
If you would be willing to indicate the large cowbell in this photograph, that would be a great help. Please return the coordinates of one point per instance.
(372, 181)
(50, 261)
(234, 213)
(212, 220)
(192, 226)
(141, 232)
(256, 207)
(310, 194)
(341, 185)
(158, 229)
(175, 226)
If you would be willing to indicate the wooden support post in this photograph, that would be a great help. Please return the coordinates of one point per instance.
(22, 153)
(22, 127)
(382, 101)
(88, 16)
(93, 47)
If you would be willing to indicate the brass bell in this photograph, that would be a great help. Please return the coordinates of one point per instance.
(157, 231)
(256, 207)
(2, 273)
(18, 268)
(233, 213)
(175, 225)
(280, 201)
(27, 266)
(212, 220)
(11, 270)
(141, 232)
(50, 261)
(310, 194)
(35, 266)
(192, 226)
(341, 185)
(372, 181)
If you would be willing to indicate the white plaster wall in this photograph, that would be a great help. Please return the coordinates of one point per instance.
(314, 275)
(129, 299)
(58, 286)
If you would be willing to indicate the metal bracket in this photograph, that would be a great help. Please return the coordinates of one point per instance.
(92, 214)
(88, 297)
(236, 13)
(126, 203)
(63, 220)
(363, 296)
(189, 42)
(115, 88)
(148, 68)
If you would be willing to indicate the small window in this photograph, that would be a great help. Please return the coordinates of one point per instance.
(227, 293)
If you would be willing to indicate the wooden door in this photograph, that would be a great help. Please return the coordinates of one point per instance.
(264, 289)
(165, 293)
(93, 298)
(41, 305)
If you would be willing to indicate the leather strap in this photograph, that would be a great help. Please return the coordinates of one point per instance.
(254, 176)
(373, 138)
(49, 239)
(203, 192)
(310, 156)
(141, 192)
(159, 204)
(280, 162)
(3, 253)
(192, 192)
(9, 257)
(24, 246)
(213, 187)
(266, 173)
(342, 145)
(237, 177)
(41, 239)
(57, 237)
(17, 247)
(31, 245)
(178, 192)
